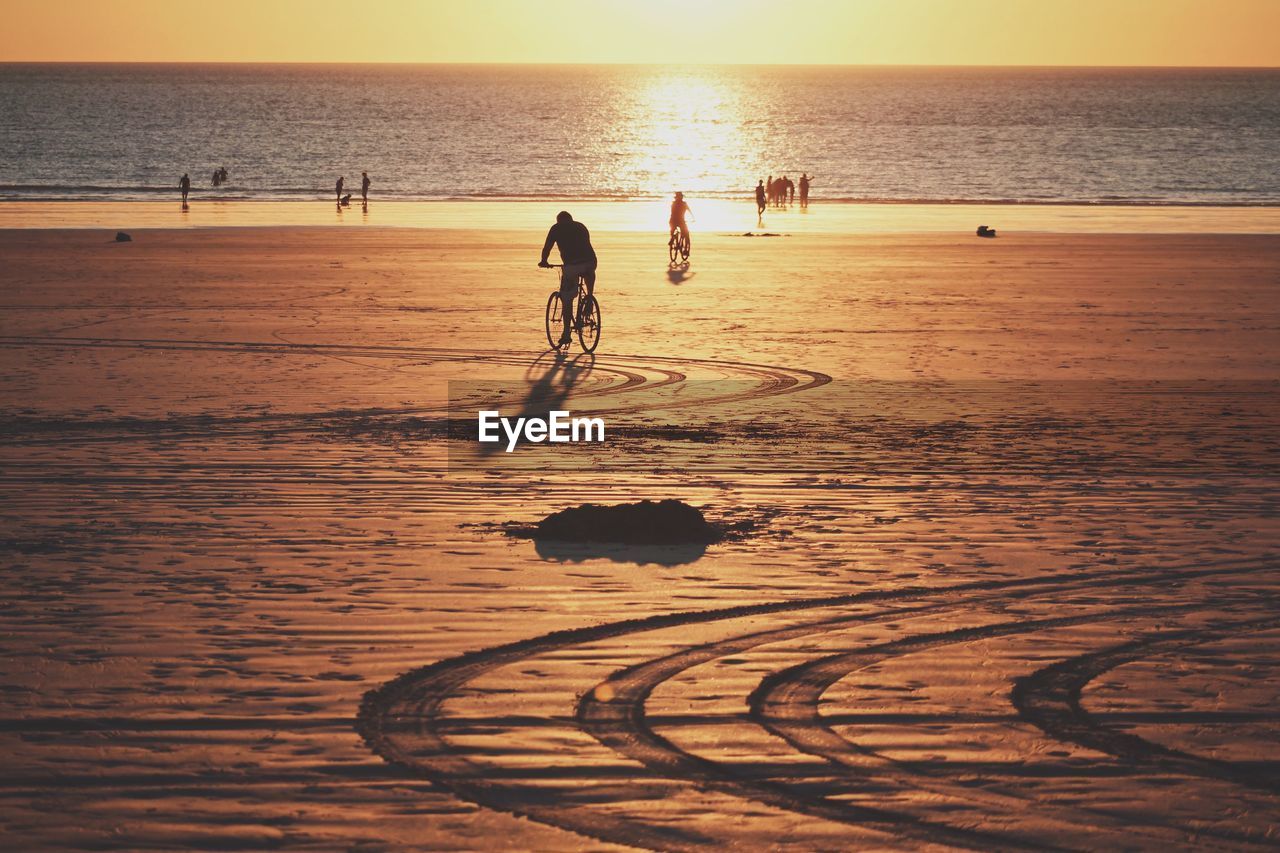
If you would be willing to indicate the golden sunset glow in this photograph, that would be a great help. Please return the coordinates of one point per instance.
(695, 129)
(917, 32)
(650, 424)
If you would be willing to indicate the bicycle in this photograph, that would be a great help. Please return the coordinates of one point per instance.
(678, 246)
(586, 319)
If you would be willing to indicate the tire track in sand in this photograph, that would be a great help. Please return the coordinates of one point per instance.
(1050, 699)
(627, 376)
(405, 722)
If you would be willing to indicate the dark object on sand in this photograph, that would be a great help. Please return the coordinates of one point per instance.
(984, 231)
(645, 523)
(345, 201)
(620, 552)
(122, 237)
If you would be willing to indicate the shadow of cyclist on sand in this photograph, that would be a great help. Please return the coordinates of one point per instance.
(678, 272)
(552, 378)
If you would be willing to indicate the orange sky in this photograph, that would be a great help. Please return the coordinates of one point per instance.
(924, 32)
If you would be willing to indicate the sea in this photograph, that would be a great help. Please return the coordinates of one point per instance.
(864, 134)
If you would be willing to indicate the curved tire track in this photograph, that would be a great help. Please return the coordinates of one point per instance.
(404, 722)
(1050, 699)
(631, 374)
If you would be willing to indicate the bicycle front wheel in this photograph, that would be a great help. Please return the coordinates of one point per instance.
(686, 243)
(673, 247)
(555, 319)
(589, 327)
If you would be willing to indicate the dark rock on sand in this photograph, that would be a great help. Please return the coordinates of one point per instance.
(122, 237)
(667, 522)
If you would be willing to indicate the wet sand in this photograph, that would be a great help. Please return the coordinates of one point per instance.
(710, 216)
(1011, 578)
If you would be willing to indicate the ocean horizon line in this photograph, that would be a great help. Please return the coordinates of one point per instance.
(692, 65)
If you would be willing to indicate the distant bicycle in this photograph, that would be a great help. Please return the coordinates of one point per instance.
(678, 246)
(586, 316)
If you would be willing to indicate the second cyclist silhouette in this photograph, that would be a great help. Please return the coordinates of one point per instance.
(679, 210)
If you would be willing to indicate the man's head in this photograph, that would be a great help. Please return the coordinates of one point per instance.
(679, 196)
(563, 216)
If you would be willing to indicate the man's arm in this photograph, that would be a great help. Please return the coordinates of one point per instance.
(590, 248)
(546, 247)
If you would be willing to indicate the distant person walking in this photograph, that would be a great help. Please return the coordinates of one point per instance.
(804, 189)
(791, 189)
(222, 175)
(217, 178)
(364, 186)
(338, 189)
(761, 202)
(184, 184)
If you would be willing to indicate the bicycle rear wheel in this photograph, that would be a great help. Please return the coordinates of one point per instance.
(589, 323)
(555, 319)
(673, 247)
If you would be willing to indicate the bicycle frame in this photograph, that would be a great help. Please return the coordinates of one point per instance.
(585, 310)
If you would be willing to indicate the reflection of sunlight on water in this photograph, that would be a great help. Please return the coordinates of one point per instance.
(685, 131)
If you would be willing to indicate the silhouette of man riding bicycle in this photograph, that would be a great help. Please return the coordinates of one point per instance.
(577, 281)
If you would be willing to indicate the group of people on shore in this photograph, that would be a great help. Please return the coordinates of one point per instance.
(220, 178)
(345, 200)
(779, 192)
(776, 192)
